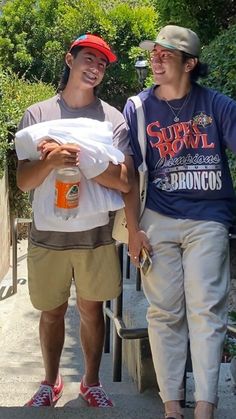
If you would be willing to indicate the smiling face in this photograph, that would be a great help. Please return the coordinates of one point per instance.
(87, 68)
(167, 65)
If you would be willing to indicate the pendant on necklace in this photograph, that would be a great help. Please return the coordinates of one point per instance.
(176, 119)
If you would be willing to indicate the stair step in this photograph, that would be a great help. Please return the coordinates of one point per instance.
(82, 413)
(123, 394)
(21, 369)
(121, 412)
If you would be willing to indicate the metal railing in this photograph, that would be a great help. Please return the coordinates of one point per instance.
(121, 332)
(114, 314)
(113, 311)
(231, 328)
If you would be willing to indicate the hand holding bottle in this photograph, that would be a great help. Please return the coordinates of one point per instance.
(65, 160)
(65, 155)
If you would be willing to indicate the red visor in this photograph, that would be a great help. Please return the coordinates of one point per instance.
(95, 42)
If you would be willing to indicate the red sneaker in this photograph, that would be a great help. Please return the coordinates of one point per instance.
(95, 396)
(47, 394)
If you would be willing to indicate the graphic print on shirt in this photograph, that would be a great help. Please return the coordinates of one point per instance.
(187, 157)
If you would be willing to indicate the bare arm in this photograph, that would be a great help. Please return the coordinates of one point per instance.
(31, 174)
(132, 207)
(120, 176)
(137, 237)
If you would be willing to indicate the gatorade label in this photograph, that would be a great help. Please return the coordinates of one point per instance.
(66, 194)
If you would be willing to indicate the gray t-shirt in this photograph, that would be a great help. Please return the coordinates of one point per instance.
(56, 108)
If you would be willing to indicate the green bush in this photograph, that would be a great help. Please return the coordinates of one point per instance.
(220, 54)
(207, 18)
(34, 36)
(16, 95)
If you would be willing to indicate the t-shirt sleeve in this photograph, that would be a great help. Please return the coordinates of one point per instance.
(121, 138)
(27, 120)
(131, 119)
(225, 109)
(23, 147)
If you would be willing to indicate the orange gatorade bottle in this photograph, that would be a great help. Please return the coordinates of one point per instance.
(67, 187)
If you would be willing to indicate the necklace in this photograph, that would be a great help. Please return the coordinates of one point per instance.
(173, 109)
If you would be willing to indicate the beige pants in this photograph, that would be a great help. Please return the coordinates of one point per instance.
(96, 273)
(187, 290)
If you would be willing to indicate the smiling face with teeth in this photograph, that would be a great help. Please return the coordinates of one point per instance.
(167, 65)
(87, 68)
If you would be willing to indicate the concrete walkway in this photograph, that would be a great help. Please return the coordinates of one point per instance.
(21, 366)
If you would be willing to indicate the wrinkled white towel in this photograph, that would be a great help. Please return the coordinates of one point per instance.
(96, 150)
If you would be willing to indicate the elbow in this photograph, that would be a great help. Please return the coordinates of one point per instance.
(21, 181)
(126, 187)
(23, 188)
(21, 185)
(128, 183)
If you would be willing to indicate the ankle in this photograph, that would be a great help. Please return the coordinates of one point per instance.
(90, 382)
(52, 381)
(173, 409)
(204, 410)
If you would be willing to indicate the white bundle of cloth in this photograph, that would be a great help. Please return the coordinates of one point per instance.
(95, 140)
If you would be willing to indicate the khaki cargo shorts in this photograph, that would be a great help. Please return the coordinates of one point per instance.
(96, 273)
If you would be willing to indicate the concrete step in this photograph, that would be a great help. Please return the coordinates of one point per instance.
(121, 412)
(21, 367)
(17, 393)
(81, 413)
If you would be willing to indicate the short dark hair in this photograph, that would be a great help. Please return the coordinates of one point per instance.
(200, 69)
(66, 71)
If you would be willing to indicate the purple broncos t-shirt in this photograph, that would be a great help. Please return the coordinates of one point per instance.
(189, 175)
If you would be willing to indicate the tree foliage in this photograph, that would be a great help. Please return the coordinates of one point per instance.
(16, 95)
(207, 18)
(35, 34)
(220, 54)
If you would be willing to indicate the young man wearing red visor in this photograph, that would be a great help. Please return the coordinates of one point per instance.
(88, 257)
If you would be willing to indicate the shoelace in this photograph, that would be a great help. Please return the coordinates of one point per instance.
(100, 396)
(43, 393)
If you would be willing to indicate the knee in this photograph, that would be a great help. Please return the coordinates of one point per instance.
(90, 311)
(167, 315)
(55, 315)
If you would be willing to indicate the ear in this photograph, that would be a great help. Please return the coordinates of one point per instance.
(190, 64)
(69, 59)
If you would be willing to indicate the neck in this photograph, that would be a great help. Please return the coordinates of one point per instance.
(169, 92)
(78, 98)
